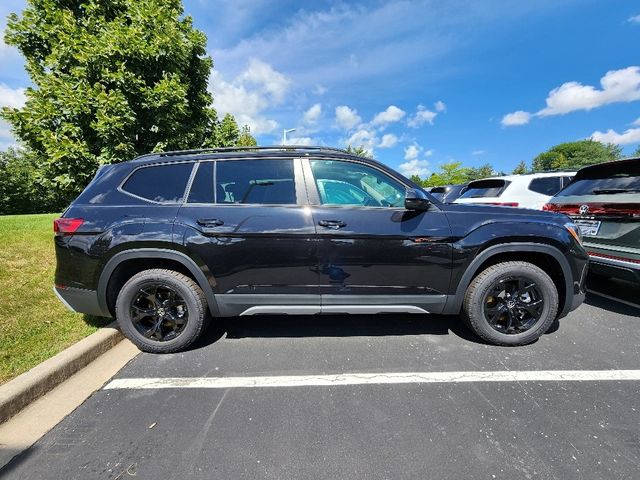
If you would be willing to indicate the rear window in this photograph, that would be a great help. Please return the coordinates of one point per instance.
(269, 182)
(485, 188)
(546, 185)
(160, 183)
(605, 179)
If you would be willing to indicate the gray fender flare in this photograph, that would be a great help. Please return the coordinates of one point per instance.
(159, 253)
(454, 303)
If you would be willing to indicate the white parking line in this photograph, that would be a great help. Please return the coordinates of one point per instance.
(374, 379)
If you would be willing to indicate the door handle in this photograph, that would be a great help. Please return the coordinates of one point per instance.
(210, 222)
(333, 224)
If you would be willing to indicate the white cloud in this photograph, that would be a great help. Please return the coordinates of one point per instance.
(247, 96)
(320, 90)
(415, 167)
(440, 106)
(390, 115)
(516, 118)
(636, 122)
(388, 140)
(313, 114)
(478, 152)
(11, 97)
(616, 86)
(423, 115)
(302, 141)
(630, 136)
(412, 152)
(6, 137)
(346, 117)
(634, 19)
(363, 138)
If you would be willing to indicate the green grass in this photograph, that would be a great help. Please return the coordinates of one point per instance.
(34, 325)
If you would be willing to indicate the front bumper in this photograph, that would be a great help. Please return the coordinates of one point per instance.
(80, 300)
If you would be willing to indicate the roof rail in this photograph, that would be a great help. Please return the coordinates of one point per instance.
(243, 149)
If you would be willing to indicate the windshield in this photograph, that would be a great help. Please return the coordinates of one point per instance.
(485, 188)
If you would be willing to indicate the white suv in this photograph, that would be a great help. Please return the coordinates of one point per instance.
(524, 191)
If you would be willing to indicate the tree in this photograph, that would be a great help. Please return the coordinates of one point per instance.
(359, 151)
(521, 169)
(637, 152)
(484, 171)
(20, 189)
(246, 139)
(574, 155)
(111, 80)
(451, 173)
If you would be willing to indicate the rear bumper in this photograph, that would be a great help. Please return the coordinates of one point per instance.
(614, 266)
(80, 300)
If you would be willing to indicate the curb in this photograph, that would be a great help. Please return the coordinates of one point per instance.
(16, 394)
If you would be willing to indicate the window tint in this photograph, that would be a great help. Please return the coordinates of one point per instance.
(346, 183)
(546, 185)
(619, 183)
(485, 188)
(255, 181)
(160, 183)
(202, 186)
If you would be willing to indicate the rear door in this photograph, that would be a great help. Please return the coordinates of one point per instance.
(372, 251)
(245, 220)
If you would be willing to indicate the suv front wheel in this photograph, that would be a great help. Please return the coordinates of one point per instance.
(511, 303)
(161, 311)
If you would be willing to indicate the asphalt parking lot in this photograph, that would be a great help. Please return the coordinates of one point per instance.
(380, 428)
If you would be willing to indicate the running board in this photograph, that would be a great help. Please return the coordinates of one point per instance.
(330, 309)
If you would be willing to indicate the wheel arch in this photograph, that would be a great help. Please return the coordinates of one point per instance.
(142, 259)
(524, 251)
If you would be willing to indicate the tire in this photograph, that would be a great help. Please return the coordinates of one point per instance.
(183, 318)
(515, 316)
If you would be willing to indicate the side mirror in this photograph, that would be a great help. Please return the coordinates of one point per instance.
(415, 199)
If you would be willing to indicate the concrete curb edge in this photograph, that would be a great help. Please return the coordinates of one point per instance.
(16, 394)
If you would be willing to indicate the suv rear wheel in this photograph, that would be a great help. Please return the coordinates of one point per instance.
(161, 311)
(511, 303)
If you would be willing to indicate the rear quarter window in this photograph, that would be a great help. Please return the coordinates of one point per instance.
(159, 183)
(546, 185)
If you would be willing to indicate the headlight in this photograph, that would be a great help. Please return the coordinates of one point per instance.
(574, 231)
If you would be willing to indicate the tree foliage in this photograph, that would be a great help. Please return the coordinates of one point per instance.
(521, 168)
(21, 189)
(575, 155)
(637, 152)
(453, 173)
(359, 151)
(112, 79)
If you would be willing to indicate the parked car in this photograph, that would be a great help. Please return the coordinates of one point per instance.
(604, 201)
(524, 191)
(447, 193)
(168, 241)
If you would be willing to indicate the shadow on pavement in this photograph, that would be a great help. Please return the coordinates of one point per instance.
(292, 326)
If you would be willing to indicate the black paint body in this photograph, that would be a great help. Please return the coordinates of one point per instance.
(245, 255)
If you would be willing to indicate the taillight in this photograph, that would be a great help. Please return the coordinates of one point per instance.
(503, 204)
(66, 226)
(550, 207)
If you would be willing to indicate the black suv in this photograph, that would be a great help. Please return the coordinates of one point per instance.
(169, 240)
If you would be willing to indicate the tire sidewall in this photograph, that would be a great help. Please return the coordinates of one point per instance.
(195, 317)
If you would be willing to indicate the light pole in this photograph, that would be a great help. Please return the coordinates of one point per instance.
(284, 135)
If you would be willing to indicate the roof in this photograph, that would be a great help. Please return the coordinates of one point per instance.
(529, 175)
(253, 152)
(617, 166)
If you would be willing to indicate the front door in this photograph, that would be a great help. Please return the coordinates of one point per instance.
(246, 221)
(372, 251)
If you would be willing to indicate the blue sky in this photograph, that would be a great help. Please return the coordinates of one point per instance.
(417, 82)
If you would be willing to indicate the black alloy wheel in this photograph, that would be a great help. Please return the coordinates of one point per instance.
(513, 305)
(158, 312)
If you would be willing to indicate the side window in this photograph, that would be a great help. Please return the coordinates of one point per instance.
(202, 187)
(268, 182)
(546, 185)
(566, 181)
(348, 183)
(160, 183)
